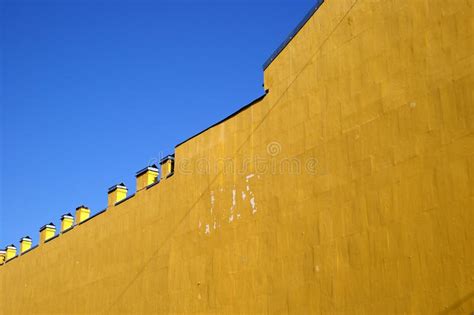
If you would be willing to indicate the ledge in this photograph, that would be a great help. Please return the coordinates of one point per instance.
(7, 261)
(67, 230)
(52, 238)
(29, 250)
(153, 184)
(123, 200)
(90, 218)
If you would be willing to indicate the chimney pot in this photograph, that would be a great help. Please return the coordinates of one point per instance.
(47, 232)
(25, 244)
(67, 222)
(116, 193)
(167, 166)
(82, 214)
(10, 252)
(146, 176)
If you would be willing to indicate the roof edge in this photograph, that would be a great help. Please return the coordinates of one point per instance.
(292, 34)
(226, 118)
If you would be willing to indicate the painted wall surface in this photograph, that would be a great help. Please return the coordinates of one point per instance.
(349, 189)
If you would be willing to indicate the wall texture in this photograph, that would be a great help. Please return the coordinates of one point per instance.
(348, 189)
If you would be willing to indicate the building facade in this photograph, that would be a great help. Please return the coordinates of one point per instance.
(348, 188)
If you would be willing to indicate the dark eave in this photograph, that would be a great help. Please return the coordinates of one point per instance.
(228, 117)
(293, 34)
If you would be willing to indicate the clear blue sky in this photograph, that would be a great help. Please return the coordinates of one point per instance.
(92, 91)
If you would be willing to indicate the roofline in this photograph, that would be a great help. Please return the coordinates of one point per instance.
(47, 226)
(115, 187)
(151, 168)
(293, 34)
(167, 158)
(226, 118)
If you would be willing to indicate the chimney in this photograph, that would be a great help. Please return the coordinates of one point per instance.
(67, 221)
(117, 193)
(2, 256)
(82, 214)
(10, 252)
(146, 176)
(167, 166)
(47, 232)
(25, 244)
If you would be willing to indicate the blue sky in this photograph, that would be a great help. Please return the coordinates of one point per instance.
(92, 91)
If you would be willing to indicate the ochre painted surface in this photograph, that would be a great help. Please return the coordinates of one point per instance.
(349, 189)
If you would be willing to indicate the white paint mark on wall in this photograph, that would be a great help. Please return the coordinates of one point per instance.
(213, 200)
(234, 203)
(245, 194)
(252, 203)
(234, 193)
(251, 195)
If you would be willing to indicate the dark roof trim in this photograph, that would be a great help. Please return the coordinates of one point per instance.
(167, 158)
(151, 168)
(227, 118)
(28, 250)
(7, 261)
(67, 215)
(68, 229)
(115, 187)
(125, 199)
(293, 33)
(50, 225)
(151, 185)
(52, 238)
(89, 218)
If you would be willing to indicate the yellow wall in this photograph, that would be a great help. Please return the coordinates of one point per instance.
(357, 170)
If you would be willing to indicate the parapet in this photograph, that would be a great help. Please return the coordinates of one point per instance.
(146, 178)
